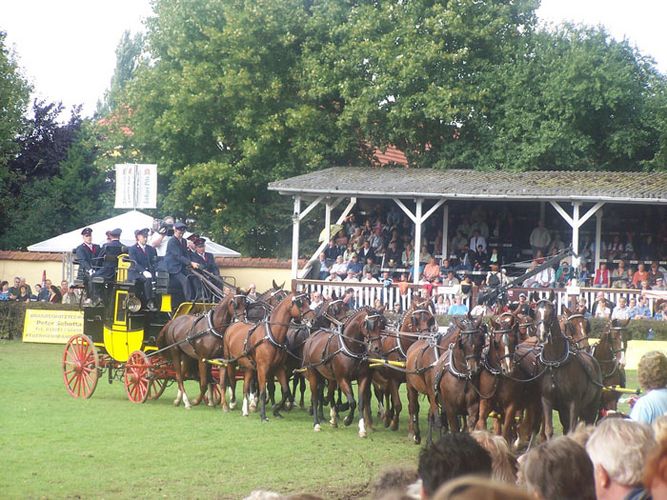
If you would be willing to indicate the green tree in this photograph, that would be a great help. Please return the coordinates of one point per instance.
(128, 57)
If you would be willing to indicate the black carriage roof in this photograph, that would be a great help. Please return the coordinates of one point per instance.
(391, 182)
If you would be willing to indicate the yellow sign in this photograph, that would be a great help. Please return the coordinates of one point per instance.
(48, 326)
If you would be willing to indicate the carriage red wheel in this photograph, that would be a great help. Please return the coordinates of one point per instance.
(138, 377)
(156, 388)
(80, 366)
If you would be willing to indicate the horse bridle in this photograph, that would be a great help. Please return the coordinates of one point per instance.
(585, 337)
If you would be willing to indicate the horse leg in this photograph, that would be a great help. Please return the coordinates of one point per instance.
(413, 410)
(484, 410)
(508, 421)
(547, 418)
(262, 380)
(286, 395)
(345, 386)
(230, 374)
(397, 406)
(379, 396)
(202, 367)
(364, 404)
(315, 399)
(270, 390)
(333, 409)
(302, 389)
(473, 412)
(181, 394)
(223, 388)
(247, 380)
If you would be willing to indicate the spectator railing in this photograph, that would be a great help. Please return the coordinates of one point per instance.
(366, 293)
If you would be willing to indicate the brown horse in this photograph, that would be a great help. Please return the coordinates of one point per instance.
(418, 320)
(457, 378)
(199, 337)
(332, 311)
(422, 356)
(577, 328)
(260, 348)
(572, 380)
(503, 386)
(610, 354)
(341, 358)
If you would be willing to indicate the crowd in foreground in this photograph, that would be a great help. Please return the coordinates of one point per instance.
(622, 457)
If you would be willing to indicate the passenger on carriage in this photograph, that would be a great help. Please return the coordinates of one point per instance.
(177, 260)
(205, 259)
(109, 254)
(143, 259)
(86, 254)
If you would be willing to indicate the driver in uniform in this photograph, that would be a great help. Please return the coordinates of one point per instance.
(142, 268)
(177, 260)
(86, 254)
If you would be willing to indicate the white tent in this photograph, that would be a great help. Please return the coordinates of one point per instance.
(128, 222)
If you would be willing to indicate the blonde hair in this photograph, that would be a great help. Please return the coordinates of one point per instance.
(478, 488)
(652, 370)
(503, 462)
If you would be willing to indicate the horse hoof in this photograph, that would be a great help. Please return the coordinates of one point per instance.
(333, 423)
(317, 428)
(289, 406)
(393, 426)
(277, 415)
(188, 407)
(362, 434)
(177, 402)
(232, 405)
(347, 421)
(417, 439)
(226, 410)
(265, 420)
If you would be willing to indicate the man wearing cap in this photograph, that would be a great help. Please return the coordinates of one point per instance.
(205, 259)
(142, 269)
(522, 307)
(109, 257)
(177, 260)
(86, 254)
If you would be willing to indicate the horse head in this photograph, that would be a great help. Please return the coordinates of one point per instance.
(504, 337)
(300, 307)
(470, 342)
(372, 328)
(545, 315)
(419, 318)
(576, 328)
(236, 307)
(614, 334)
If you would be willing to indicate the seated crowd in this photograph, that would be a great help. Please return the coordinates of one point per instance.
(376, 247)
(44, 292)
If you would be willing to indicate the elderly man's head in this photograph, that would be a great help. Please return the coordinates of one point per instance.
(618, 449)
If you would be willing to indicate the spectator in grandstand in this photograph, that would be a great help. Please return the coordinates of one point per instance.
(441, 305)
(640, 275)
(376, 241)
(450, 279)
(348, 252)
(615, 249)
(339, 268)
(621, 311)
(351, 277)
(392, 252)
(315, 300)
(494, 258)
(348, 298)
(464, 227)
(4, 291)
(546, 278)
(68, 295)
(431, 271)
(564, 274)
(641, 310)
(252, 292)
(366, 251)
(356, 240)
(24, 295)
(477, 241)
(481, 259)
(493, 277)
(521, 307)
(654, 273)
(558, 469)
(341, 239)
(602, 307)
(23, 283)
(14, 290)
(324, 266)
(55, 297)
(458, 308)
(466, 259)
(602, 277)
(661, 312)
(453, 455)
(331, 252)
(368, 278)
(457, 243)
(652, 376)
(36, 290)
(466, 285)
(618, 449)
(540, 239)
(621, 277)
(556, 244)
(408, 257)
(355, 266)
(659, 284)
(44, 293)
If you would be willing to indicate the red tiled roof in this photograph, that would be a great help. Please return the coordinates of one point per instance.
(256, 262)
(392, 155)
(30, 256)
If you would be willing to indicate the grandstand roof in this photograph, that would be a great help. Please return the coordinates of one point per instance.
(384, 182)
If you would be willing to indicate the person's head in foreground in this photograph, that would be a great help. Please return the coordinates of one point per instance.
(479, 488)
(558, 469)
(453, 455)
(618, 449)
(655, 471)
(652, 371)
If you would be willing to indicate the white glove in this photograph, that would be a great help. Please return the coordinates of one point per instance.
(90, 272)
(147, 274)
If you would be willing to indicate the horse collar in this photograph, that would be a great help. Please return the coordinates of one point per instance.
(211, 328)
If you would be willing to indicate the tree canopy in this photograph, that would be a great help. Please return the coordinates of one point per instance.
(228, 95)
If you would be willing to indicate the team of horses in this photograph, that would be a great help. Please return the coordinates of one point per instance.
(516, 368)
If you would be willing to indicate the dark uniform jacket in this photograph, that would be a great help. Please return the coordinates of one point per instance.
(142, 260)
(109, 258)
(206, 261)
(87, 259)
(177, 257)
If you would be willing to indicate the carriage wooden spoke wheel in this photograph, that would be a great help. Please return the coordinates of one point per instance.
(138, 377)
(156, 387)
(80, 366)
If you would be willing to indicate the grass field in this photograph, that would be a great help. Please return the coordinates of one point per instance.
(54, 446)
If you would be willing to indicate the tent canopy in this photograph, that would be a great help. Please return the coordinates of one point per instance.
(128, 222)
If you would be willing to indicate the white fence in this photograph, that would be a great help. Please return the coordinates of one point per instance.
(366, 293)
